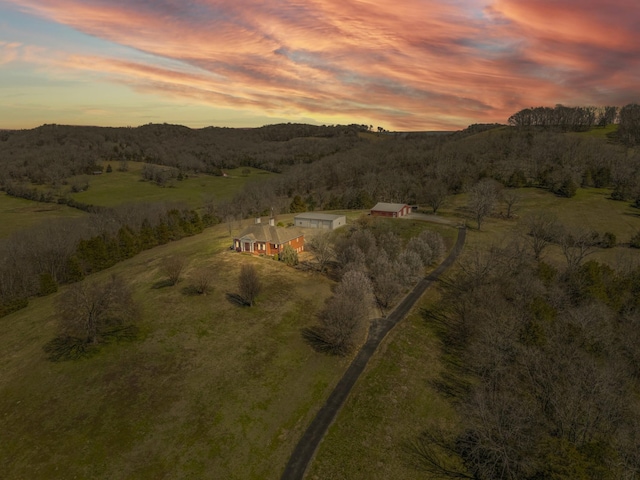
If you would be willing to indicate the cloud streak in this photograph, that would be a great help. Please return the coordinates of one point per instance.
(413, 64)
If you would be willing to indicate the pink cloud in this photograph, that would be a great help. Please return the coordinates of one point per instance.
(414, 64)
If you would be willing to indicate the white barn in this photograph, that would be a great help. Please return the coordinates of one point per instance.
(319, 220)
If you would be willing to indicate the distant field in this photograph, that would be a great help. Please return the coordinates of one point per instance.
(18, 213)
(599, 132)
(115, 188)
(591, 208)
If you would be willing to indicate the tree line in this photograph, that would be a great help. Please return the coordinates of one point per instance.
(35, 261)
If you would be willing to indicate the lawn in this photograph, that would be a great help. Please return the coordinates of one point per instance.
(115, 188)
(210, 390)
(18, 213)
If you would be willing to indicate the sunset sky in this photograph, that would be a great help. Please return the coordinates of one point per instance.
(402, 65)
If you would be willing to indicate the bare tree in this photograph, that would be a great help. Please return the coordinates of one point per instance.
(342, 320)
(386, 281)
(249, 284)
(410, 267)
(511, 199)
(201, 280)
(541, 229)
(429, 245)
(391, 243)
(576, 245)
(322, 248)
(173, 266)
(482, 199)
(87, 308)
(435, 194)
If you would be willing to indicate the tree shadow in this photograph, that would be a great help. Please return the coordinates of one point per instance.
(162, 284)
(67, 347)
(316, 338)
(191, 291)
(236, 299)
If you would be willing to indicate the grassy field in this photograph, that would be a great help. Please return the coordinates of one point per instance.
(591, 208)
(212, 390)
(18, 213)
(115, 188)
(392, 402)
(394, 399)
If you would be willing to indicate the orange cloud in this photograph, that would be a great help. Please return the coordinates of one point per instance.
(415, 64)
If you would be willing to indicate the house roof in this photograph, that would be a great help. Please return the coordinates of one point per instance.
(389, 207)
(318, 216)
(268, 233)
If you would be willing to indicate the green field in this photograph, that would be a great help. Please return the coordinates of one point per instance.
(212, 390)
(18, 213)
(115, 188)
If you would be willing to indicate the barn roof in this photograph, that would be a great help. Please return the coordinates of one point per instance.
(268, 233)
(318, 216)
(389, 207)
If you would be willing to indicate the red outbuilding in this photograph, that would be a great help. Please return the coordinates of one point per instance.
(390, 210)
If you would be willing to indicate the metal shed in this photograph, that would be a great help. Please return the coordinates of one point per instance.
(324, 221)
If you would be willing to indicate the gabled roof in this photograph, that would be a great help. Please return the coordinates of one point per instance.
(318, 216)
(267, 233)
(389, 207)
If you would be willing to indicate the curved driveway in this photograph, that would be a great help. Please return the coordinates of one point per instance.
(308, 444)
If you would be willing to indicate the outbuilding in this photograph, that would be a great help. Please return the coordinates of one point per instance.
(324, 221)
(382, 209)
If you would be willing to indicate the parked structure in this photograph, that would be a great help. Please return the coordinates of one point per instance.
(319, 220)
(263, 239)
(390, 209)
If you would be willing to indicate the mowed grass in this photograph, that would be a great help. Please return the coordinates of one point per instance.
(210, 390)
(395, 398)
(18, 213)
(115, 188)
(390, 405)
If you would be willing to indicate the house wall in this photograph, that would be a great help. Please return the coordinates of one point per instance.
(379, 213)
(268, 248)
(317, 223)
(406, 210)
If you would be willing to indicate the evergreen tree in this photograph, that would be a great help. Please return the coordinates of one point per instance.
(297, 205)
(47, 284)
(147, 237)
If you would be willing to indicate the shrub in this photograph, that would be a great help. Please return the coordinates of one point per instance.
(289, 256)
(635, 240)
(608, 240)
(47, 284)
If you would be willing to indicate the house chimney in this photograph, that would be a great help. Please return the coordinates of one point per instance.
(257, 220)
(272, 222)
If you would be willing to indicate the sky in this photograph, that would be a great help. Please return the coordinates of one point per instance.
(403, 65)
